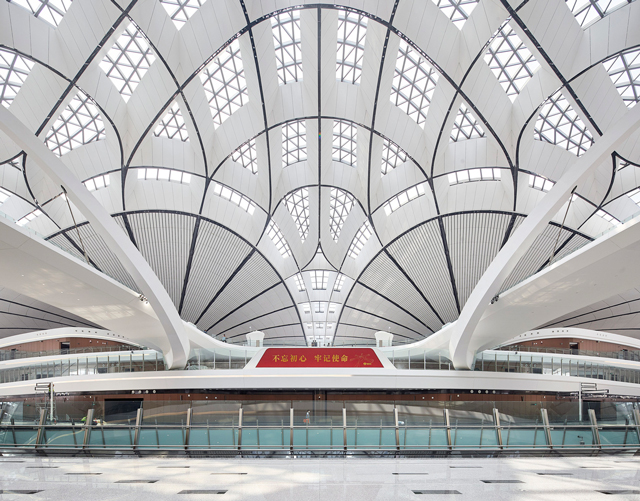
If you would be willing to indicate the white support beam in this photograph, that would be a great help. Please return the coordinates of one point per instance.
(177, 349)
(462, 346)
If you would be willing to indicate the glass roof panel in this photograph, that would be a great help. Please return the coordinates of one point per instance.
(345, 137)
(559, 124)
(297, 204)
(172, 125)
(624, 71)
(466, 126)
(294, 142)
(80, 123)
(278, 239)
(224, 84)
(127, 61)
(359, 241)
(352, 32)
(340, 206)
(588, 12)
(510, 60)
(288, 45)
(247, 156)
(414, 81)
(392, 156)
(14, 70)
(181, 10)
(457, 10)
(51, 11)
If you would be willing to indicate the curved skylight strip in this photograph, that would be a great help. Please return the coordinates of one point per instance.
(403, 198)
(635, 196)
(360, 240)
(299, 282)
(247, 156)
(224, 84)
(540, 183)
(294, 142)
(588, 12)
(127, 61)
(319, 281)
(468, 175)
(466, 126)
(392, 156)
(51, 11)
(98, 182)
(339, 283)
(607, 217)
(14, 70)
(163, 174)
(511, 62)
(345, 138)
(288, 46)
(559, 124)
(80, 123)
(4, 195)
(414, 81)
(234, 197)
(457, 10)
(340, 206)
(278, 239)
(181, 10)
(29, 217)
(352, 33)
(624, 71)
(172, 125)
(297, 204)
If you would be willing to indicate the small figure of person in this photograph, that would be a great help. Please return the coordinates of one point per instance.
(307, 419)
(224, 338)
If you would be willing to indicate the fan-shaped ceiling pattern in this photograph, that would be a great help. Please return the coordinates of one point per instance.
(321, 171)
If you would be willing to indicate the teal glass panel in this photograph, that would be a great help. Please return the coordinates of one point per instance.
(619, 437)
(523, 437)
(371, 438)
(321, 437)
(111, 437)
(63, 437)
(216, 438)
(171, 437)
(474, 437)
(571, 436)
(249, 437)
(148, 438)
(26, 436)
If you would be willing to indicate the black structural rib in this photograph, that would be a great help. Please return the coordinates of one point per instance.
(592, 312)
(88, 324)
(258, 317)
(365, 312)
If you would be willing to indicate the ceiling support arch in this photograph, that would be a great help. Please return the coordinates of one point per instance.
(176, 348)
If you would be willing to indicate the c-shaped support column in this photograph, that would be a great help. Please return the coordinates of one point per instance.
(176, 349)
(461, 345)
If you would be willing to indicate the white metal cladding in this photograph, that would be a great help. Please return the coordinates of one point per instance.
(252, 107)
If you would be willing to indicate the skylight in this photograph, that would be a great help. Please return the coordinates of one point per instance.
(299, 282)
(340, 206)
(80, 123)
(345, 138)
(4, 195)
(247, 156)
(360, 240)
(51, 11)
(172, 125)
(559, 124)
(635, 196)
(98, 182)
(457, 10)
(352, 32)
(403, 198)
(29, 217)
(294, 142)
(414, 81)
(466, 126)
(162, 174)
(298, 205)
(278, 239)
(319, 279)
(234, 197)
(128, 61)
(392, 156)
(467, 175)
(607, 217)
(288, 46)
(588, 12)
(181, 10)
(624, 71)
(337, 287)
(14, 70)
(224, 84)
(510, 60)
(540, 183)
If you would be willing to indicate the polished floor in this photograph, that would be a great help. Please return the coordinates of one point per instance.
(350, 479)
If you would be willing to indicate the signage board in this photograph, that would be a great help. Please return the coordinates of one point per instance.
(320, 357)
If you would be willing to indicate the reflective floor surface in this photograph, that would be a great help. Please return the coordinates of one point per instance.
(351, 479)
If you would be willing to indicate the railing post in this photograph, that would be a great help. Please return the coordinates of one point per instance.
(344, 426)
(188, 430)
(291, 429)
(43, 419)
(240, 428)
(594, 428)
(395, 416)
(136, 435)
(496, 421)
(547, 428)
(447, 423)
(87, 429)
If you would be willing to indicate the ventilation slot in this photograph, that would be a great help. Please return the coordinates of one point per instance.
(202, 492)
(502, 481)
(445, 491)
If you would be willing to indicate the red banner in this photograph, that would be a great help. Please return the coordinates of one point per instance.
(319, 357)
